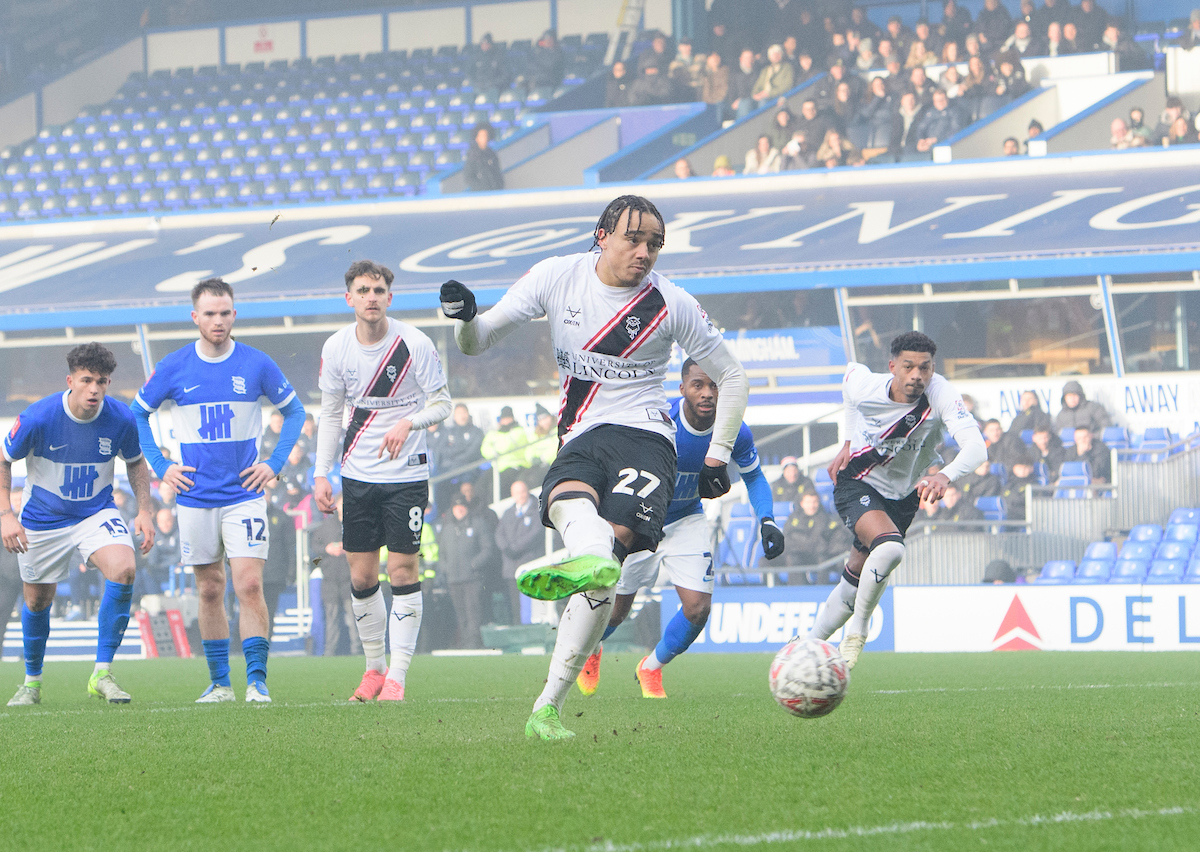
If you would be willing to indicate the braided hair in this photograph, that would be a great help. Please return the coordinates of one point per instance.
(612, 214)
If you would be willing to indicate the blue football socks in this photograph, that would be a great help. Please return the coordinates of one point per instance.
(216, 651)
(113, 619)
(255, 651)
(678, 636)
(608, 631)
(35, 628)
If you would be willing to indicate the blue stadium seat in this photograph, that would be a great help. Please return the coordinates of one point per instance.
(226, 194)
(176, 197)
(446, 159)
(1000, 472)
(1056, 572)
(1105, 551)
(276, 190)
(1140, 550)
(352, 186)
(741, 510)
(325, 188)
(1129, 571)
(1174, 550)
(1067, 436)
(993, 508)
(75, 205)
(1146, 532)
(370, 164)
(1167, 571)
(1115, 437)
(1182, 532)
(1185, 516)
(200, 196)
(250, 192)
(1073, 479)
(1093, 571)
(300, 189)
(1027, 437)
(824, 487)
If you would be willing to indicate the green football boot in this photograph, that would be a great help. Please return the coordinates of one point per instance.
(581, 574)
(102, 685)
(545, 724)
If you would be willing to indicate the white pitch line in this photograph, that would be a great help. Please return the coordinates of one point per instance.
(945, 689)
(704, 841)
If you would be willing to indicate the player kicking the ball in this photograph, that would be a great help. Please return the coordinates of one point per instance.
(389, 374)
(686, 549)
(217, 385)
(612, 323)
(70, 442)
(895, 421)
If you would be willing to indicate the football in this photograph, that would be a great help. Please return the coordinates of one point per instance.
(808, 678)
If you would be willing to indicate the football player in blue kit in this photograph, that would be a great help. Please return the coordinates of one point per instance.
(685, 552)
(70, 443)
(217, 384)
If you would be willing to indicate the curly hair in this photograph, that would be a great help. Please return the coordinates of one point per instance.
(613, 212)
(913, 341)
(92, 357)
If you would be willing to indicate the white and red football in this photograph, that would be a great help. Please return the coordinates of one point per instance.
(809, 678)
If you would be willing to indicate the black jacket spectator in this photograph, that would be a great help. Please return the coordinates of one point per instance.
(980, 482)
(279, 571)
(618, 89)
(792, 484)
(1090, 21)
(1052, 11)
(546, 64)
(956, 22)
(956, 508)
(464, 549)
(482, 171)
(938, 123)
(1078, 410)
(520, 538)
(325, 544)
(875, 118)
(1047, 449)
(652, 88)
(994, 22)
(741, 80)
(811, 535)
(1022, 474)
(904, 121)
(811, 123)
(1031, 417)
(489, 66)
(1096, 453)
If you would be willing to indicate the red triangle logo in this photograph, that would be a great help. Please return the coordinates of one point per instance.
(1016, 617)
(1017, 644)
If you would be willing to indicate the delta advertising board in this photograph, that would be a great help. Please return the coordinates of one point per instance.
(964, 618)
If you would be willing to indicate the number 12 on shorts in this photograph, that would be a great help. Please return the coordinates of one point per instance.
(256, 529)
(629, 476)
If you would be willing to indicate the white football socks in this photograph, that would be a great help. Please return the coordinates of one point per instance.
(579, 633)
(370, 617)
(405, 624)
(582, 529)
(884, 558)
(838, 607)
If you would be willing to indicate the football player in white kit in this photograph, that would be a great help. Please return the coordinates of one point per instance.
(389, 375)
(612, 323)
(894, 421)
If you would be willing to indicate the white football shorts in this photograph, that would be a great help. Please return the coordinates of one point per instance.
(51, 553)
(210, 535)
(686, 554)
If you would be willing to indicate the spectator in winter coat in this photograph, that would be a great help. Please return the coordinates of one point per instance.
(938, 123)
(714, 87)
(458, 443)
(1078, 410)
(980, 482)
(618, 88)
(762, 159)
(836, 150)
(955, 508)
(1120, 137)
(776, 80)
(547, 64)
(652, 88)
(875, 117)
(1174, 110)
(463, 553)
(797, 154)
(781, 129)
(1048, 450)
(994, 22)
(903, 140)
(1023, 42)
(482, 171)
(956, 22)
(921, 86)
(1129, 55)
(1031, 417)
(489, 66)
(505, 448)
(325, 546)
(791, 484)
(1022, 474)
(1094, 452)
(520, 538)
(900, 36)
(1089, 20)
(655, 55)
(811, 535)
(741, 85)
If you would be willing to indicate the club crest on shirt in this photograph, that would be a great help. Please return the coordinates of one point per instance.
(106, 446)
(910, 419)
(391, 372)
(865, 500)
(239, 384)
(632, 326)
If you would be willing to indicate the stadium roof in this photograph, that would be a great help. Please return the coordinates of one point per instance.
(1132, 212)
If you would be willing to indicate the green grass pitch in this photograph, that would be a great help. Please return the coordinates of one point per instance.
(1023, 751)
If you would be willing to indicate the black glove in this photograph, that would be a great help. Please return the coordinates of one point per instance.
(714, 481)
(772, 538)
(457, 301)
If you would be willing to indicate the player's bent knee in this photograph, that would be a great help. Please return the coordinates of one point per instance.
(888, 550)
(697, 612)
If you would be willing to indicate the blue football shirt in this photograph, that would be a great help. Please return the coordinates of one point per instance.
(218, 416)
(69, 462)
(692, 447)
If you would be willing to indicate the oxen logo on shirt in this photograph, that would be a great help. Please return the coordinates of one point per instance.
(106, 446)
(632, 326)
(239, 384)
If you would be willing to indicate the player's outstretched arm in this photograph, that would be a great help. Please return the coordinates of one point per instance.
(11, 530)
(474, 332)
(139, 480)
(734, 392)
(174, 476)
(759, 491)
